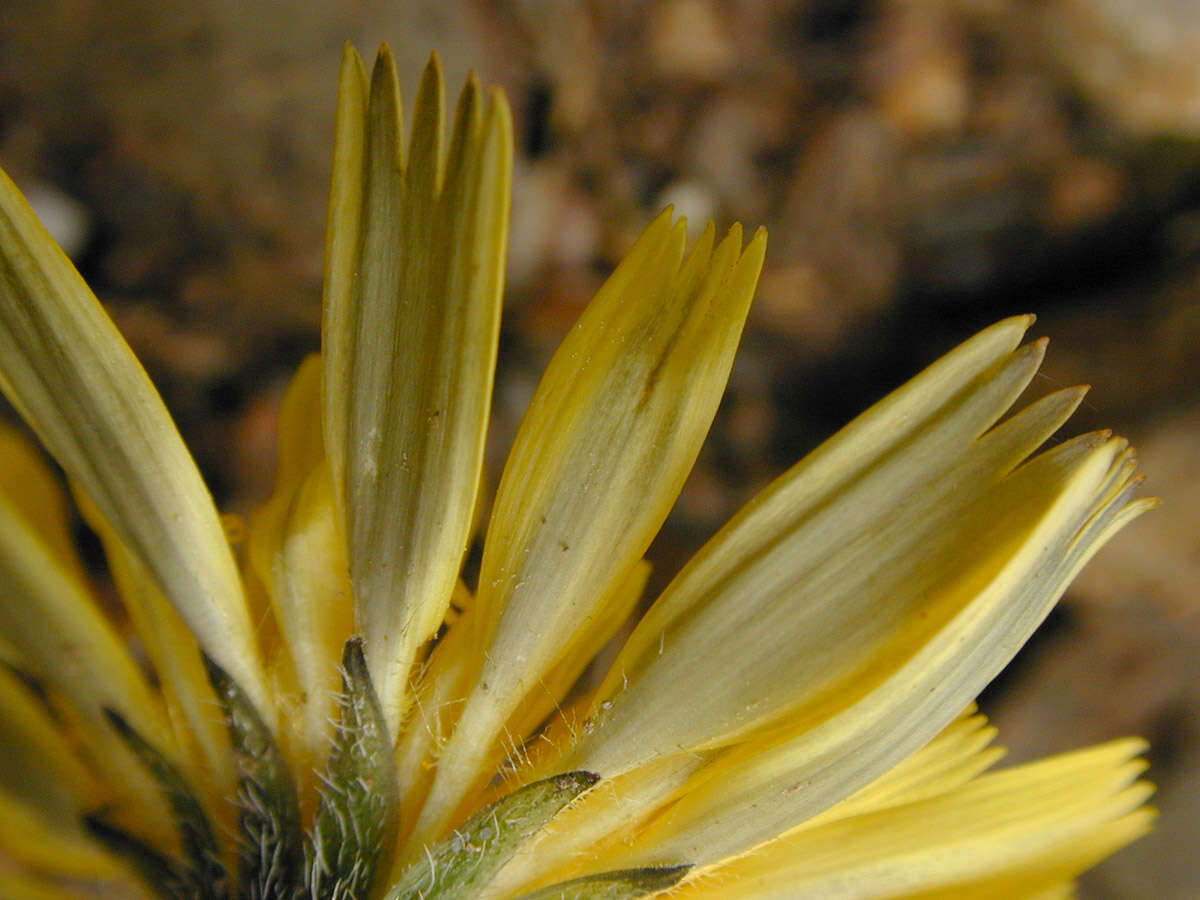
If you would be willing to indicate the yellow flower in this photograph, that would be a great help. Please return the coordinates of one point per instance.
(332, 712)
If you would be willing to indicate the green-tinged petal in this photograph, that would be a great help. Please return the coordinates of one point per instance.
(462, 864)
(296, 551)
(1006, 834)
(600, 457)
(447, 677)
(545, 699)
(436, 702)
(412, 322)
(343, 234)
(71, 375)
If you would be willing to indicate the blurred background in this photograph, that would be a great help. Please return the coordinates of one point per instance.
(925, 167)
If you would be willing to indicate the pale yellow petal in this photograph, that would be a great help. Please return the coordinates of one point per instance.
(412, 326)
(71, 375)
(546, 696)
(825, 564)
(437, 701)
(131, 797)
(11, 656)
(817, 480)
(600, 457)
(1012, 833)
(964, 630)
(545, 699)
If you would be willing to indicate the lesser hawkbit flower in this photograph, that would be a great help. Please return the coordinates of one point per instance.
(331, 712)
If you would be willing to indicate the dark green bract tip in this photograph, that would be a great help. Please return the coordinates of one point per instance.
(204, 876)
(623, 885)
(466, 861)
(162, 875)
(356, 818)
(271, 848)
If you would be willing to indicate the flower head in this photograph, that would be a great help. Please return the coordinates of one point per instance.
(332, 712)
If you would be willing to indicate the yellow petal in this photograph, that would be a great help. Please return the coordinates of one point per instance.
(60, 633)
(52, 847)
(38, 497)
(860, 603)
(301, 439)
(24, 887)
(950, 760)
(586, 837)
(200, 733)
(597, 831)
(297, 553)
(1047, 875)
(942, 651)
(411, 328)
(768, 599)
(590, 639)
(610, 436)
(38, 767)
(440, 691)
(71, 375)
(1007, 834)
